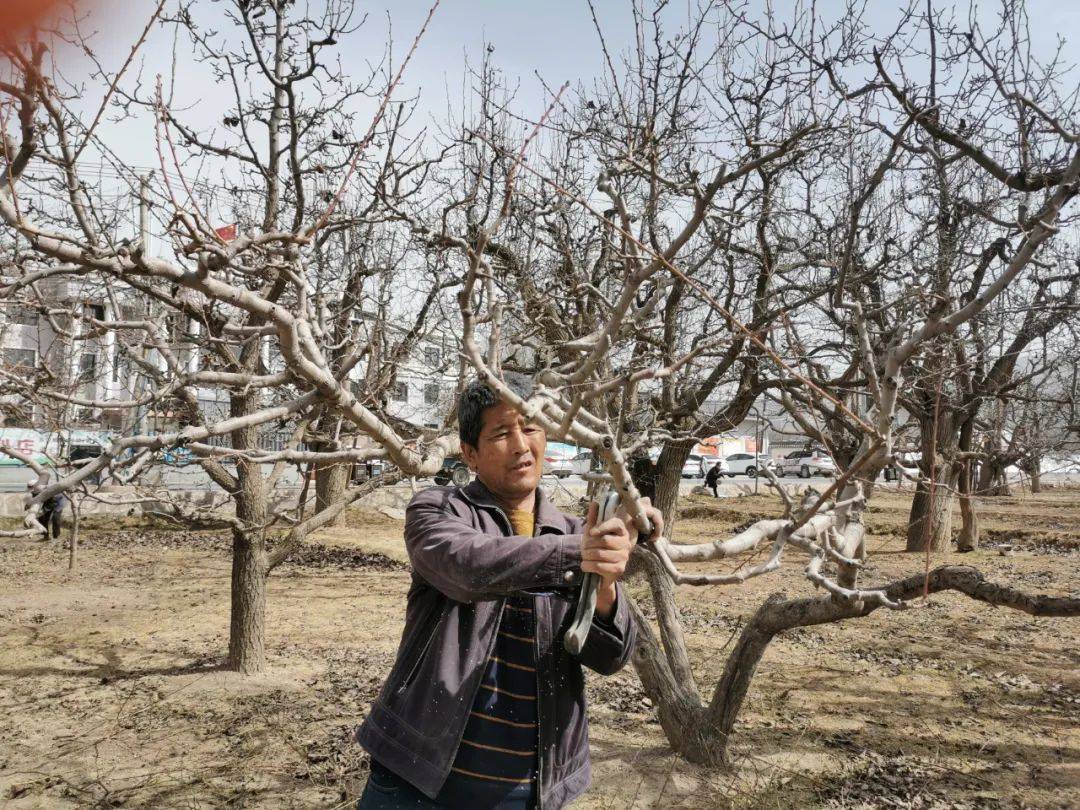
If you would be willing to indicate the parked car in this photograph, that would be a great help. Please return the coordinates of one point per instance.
(694, 466)
(805, 463)
(582, 462)
(453, 470)
(747, 464)
(558, 463)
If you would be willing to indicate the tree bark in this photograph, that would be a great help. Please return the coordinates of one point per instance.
(931, 525)
(668, 477)
(331, 481)
(930, 520)
(969, 530)
(247, 624)
(663, 664)
(742, 664)
(73, 545)
(992, 478)
(1036, 474)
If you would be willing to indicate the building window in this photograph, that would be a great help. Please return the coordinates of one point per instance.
(21, 360)
(400, 392)
(97, 311)
(431, 393)
(87, 367)
(21, 315)
(432, 357)
(122, 367)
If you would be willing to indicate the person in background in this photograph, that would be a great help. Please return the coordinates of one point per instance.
(712, 477)
(52, 508)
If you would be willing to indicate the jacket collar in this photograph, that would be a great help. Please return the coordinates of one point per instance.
(546, 513)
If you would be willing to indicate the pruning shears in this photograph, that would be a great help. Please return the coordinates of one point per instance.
(574, 640)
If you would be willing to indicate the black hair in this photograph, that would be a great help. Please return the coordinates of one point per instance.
(477, 397)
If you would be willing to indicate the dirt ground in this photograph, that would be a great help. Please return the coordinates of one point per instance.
(111, 693)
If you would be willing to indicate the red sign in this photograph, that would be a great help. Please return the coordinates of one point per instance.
(226, 233)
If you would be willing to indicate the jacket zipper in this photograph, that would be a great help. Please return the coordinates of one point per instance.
(491, 647)
(539, 702)
(423, 653)
(539, 709)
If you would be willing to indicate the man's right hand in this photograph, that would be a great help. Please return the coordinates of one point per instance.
(655, 516)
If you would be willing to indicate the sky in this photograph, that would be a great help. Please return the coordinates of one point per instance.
(552, 39)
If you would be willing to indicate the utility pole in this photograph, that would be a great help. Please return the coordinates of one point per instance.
(144, 248)
(757, 448)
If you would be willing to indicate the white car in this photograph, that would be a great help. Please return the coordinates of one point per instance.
(558, 463)
(805, 463)
(694, 466)
(582, 462)
(746, 464)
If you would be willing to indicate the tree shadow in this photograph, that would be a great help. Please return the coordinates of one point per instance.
(110, 672)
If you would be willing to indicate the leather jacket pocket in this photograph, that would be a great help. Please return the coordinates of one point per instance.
(422, 650)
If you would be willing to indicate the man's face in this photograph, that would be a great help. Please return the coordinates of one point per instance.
(509, 455)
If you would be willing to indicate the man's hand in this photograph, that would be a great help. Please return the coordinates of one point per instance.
(655, 516)
(605, 549)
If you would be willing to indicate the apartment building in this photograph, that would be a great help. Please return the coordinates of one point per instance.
(60, 350)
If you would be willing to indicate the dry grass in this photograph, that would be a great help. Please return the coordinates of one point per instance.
(111, 696)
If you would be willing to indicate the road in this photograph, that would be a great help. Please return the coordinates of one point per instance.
(577, 487)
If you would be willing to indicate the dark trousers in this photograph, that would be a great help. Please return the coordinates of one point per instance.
(51, 521)
(712, 486)
(387, 791)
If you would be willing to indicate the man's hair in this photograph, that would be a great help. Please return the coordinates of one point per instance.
(477, 397)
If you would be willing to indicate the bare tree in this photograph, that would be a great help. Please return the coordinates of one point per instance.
(587, 369)
(1032, 424)
(249, 345)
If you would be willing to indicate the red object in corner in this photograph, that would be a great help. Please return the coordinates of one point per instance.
(19, 17)
(226, 232)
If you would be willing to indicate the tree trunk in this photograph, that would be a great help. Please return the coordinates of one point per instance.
(969, 530)
(247, 622)
(992, 478)
(931, 525)
(73, 546)
(1036, 474)
(668, 477)
(331, 481)
(680, 709)
(930, 520)
(247, 626)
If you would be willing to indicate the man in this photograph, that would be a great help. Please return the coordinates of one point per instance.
(484, 708)
(712, 477)
(52, 509)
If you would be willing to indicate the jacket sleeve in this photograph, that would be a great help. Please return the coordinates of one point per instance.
(610, 642)
(467, 565)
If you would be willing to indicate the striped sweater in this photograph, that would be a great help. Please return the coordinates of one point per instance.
(496, 763)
